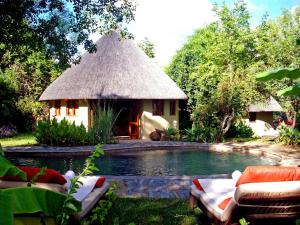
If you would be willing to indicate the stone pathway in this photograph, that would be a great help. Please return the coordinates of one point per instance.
(155, 187)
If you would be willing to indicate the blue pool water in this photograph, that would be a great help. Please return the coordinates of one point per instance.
(155, 163)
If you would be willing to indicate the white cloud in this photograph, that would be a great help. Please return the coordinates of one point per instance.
(167, 23)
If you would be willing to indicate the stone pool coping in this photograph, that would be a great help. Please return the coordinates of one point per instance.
(282, 154)
(161, 186)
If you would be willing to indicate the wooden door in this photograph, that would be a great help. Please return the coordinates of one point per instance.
(134, 122)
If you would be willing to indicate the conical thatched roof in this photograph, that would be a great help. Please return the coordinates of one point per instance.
(271, 105)
(119, 69)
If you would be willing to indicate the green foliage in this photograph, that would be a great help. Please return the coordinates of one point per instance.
(200, 134)
(289, 135)
(1, 151)
(239, 130)
(39, 39)
(22, 200)
(102, 210)
(58, 27)
(21, 139)
(148, 47)
(61, 133)
(171, 133)
(147, 211)
(216, 66)
(101, 131)
(70, 205)
(279, 74)
(243, 221)
(8, 169)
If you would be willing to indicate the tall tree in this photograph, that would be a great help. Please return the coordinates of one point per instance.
(216, 66)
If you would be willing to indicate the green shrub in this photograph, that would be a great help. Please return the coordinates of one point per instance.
(239, 130)
(61, 133)
(200, 134)
(289, 135)
(171, 133)
(101, 131)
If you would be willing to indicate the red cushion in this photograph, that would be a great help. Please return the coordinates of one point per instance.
(254, 174)
(224, 203)
(50, 176)
(197, 184)
(100, 182)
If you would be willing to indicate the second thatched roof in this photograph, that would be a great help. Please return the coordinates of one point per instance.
(118, 70)
(271, 105)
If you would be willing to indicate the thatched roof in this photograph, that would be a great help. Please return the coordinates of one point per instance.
(271, 105)
(118, 70)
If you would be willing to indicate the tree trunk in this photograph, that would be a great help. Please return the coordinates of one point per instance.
(226, 123)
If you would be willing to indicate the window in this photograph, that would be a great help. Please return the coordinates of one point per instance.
(72, 107)
(172, 107)
(252, 116)
(57, 107)
(158, 107)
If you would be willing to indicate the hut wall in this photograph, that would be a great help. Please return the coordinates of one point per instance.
(265, 116)
(150, 122)
(82, 113)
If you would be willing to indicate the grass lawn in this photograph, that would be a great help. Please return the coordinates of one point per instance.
(21, 139)
(145, 211)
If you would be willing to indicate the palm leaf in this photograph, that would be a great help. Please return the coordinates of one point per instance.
(23, 200)
(290, 91)
(8, 169)
(279, 74)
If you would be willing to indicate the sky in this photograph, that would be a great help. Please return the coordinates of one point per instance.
(168, 23)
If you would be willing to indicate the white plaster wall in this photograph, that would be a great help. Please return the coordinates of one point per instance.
(82, 115)
(150, 122)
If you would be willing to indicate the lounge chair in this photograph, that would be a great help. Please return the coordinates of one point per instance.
(262, 193)
(87, 203)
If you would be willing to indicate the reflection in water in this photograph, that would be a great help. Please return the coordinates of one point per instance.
(155, 163)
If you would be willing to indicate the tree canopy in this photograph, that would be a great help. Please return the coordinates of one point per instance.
(217, 66)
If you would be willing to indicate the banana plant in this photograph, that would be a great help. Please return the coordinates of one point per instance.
(278, 74)
(21, 200)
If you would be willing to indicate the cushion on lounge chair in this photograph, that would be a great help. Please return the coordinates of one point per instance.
(215, 185)
(100, 182)
(50, 186)
(197, 184)
(212, 204)
(267, 190)
(50, 175)
(224, 203)
(253, 174)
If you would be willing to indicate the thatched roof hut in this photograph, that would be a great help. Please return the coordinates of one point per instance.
(271, 105)
(118, 70)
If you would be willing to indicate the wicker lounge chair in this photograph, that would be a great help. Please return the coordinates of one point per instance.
(266, 201)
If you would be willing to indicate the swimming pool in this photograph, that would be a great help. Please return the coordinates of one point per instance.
(155, 163)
